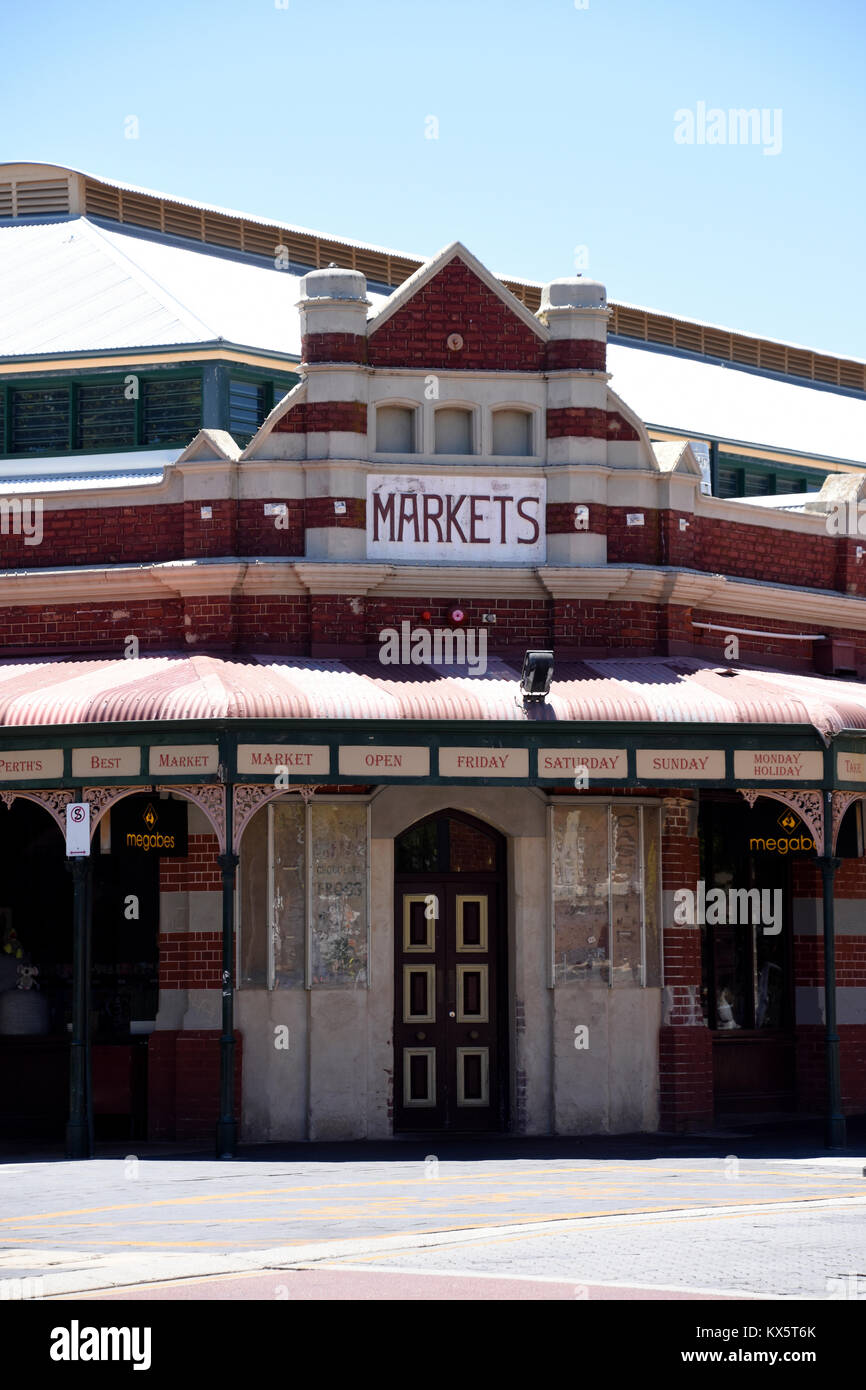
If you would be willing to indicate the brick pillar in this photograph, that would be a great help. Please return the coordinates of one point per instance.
(183, 1062)
(685, 1044)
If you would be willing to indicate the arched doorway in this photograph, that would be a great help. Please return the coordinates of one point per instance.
(36, 903)
(450, 1017)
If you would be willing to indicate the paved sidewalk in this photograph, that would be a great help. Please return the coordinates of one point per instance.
(763, 1214)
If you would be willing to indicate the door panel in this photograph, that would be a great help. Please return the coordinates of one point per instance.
(448, 1017)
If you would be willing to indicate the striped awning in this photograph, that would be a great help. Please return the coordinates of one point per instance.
(651, 690)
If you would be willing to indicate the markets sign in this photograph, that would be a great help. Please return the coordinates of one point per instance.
(460, 519)
(150, 827)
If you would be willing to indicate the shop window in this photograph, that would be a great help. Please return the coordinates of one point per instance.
(747, 980)
(512, 432)
(453, 431)
(247, 408)
(605, 873)
(395, 430)
(287, 938)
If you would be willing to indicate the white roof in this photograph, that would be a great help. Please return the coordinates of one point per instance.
(137, 466)
(781, 501)
(73, 286)
(710, 401)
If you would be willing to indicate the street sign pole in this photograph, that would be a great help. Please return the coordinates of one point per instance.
(79, 1130)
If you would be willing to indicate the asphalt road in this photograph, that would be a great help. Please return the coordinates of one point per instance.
(558, 1220)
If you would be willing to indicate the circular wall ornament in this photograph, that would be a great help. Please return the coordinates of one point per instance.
(455, 342)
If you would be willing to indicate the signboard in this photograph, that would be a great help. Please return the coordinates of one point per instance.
(851, 767)
(296, 758)
(483, 762)
(181, 759)
(410, 761)
(778, 765)
(106, 762)
(78, 829)
(148, 827)
(692, 764)
(595, 764)
(461, 519)
(31, 762)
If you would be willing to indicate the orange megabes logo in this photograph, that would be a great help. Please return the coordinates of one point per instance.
(791, 845)
(148, 842)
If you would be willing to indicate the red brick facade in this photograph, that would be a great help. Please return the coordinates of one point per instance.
(685, 1042)
(456, 301)
(183, 1083)
(307, 416)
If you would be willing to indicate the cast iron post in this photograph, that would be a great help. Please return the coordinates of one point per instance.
(79, 1130)
(226, 1137)
(835, 1121)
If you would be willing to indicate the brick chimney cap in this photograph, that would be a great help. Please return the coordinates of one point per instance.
(574, 292)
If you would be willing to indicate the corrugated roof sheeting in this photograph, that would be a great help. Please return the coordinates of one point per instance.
(73, 286)
(725, 402)
(650, 690)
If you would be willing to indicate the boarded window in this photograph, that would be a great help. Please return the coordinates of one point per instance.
(338, 948)
(606, 895)
(395, 430)
(283, 939)
(453, 431)
(512, 432)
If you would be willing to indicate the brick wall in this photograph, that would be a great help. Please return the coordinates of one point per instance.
(811, 1068)
(850, 961)
(455, 300)
(308, 416)
(198, 872)
(99, 535)
(190, 960)
(850, 880)
(140, 534)
(685, 1043)
(258, 534)
(290, 623)
(183, 1083)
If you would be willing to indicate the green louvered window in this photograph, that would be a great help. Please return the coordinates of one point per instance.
(40, 421)
(106, 416)
(171, 410)
(248, 406)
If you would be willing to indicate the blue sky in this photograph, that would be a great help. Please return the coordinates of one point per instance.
(555, 132)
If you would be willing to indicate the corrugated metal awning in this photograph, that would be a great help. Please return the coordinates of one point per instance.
(651, 690)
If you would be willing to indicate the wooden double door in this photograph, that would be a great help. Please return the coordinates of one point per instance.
(449, 986)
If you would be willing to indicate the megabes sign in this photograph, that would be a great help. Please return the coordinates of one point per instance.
(147, 826)
(458, 518)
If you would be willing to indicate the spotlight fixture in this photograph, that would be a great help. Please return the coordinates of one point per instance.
(536, 675)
